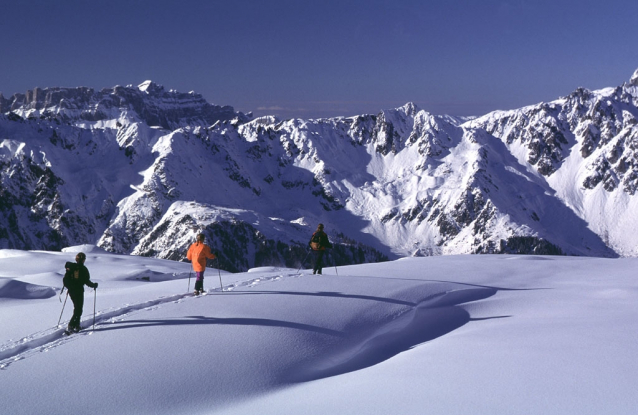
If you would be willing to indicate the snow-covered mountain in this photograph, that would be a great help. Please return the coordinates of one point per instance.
(140, 170)
(585, 148)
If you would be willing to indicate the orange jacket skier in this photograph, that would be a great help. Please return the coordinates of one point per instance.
(197, 254)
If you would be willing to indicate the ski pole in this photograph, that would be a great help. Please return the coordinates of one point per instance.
(220, 275)
(302, 262)
(67, 296)
(190, 272)
(94, 301)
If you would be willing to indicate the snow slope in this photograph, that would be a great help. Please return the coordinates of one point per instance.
(482, 334)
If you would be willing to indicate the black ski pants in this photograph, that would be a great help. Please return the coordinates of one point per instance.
(78, 305)
(318, 261)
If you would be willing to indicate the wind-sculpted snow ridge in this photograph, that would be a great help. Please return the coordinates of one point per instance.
(22, 290)
(366, 346)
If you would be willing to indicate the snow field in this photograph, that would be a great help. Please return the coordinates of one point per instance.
(437, 335)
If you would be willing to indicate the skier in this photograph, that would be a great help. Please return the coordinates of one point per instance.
(197, 254)
(76, 276)
(318, 243)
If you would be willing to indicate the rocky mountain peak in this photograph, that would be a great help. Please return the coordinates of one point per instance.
(634, 78)
(410, 109)
(149, 101)
(150, 87)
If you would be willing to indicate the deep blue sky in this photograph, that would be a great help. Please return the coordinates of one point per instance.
(325, 58)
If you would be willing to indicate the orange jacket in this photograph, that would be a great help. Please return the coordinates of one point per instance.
(197, 254)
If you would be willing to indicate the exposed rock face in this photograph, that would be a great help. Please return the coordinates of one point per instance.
(602, 126)
(150, 102)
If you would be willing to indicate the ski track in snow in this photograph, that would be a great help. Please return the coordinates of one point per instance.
(46, 340)
(423, 321)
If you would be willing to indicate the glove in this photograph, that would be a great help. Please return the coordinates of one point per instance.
(95, 286)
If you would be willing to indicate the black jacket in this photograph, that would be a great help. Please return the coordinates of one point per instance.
(76, 276)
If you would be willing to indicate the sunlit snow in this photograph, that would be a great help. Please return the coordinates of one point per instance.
(439, 335)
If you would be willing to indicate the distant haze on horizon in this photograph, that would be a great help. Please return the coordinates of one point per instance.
(327, 58)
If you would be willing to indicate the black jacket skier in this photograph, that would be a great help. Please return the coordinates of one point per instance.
(318, 243)
(76, 276)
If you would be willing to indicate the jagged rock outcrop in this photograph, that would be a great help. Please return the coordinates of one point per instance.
(149, 101)
(584, 144)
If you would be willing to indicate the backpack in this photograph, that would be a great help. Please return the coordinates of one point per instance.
(315, 241)
(73, 276)
(73, 271)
